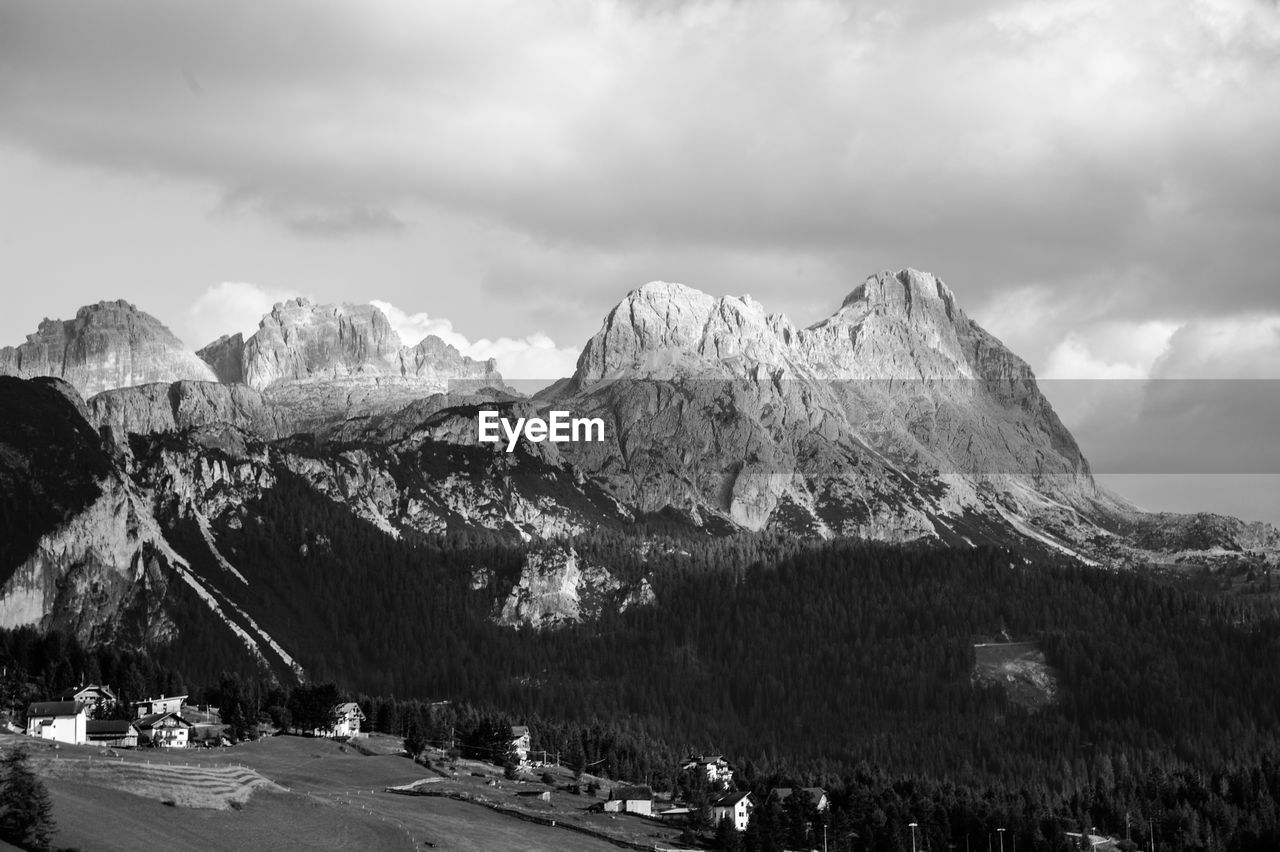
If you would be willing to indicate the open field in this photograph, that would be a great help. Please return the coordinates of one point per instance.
(297, 793)
(1020, 669)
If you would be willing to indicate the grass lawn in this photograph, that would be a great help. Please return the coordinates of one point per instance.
(294, 793)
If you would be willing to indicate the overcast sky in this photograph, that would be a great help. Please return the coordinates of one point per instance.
(1096, 181)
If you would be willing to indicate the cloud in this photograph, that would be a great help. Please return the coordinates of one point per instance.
(1202, 397)
(996, 143)
(230, 307)
(534, 358)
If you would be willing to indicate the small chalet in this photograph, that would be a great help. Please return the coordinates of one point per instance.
(98, 700)
(348, 717)
(153, 706)
(735, 807)
(165, 730)
(63, 721)
(816, 796)
(520, 742)
(112, 733)
(711, 766)
(630, 800)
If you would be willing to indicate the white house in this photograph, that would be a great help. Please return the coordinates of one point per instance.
(166, 730)
(735, 807)
(711, 766)
(520, 742)
(63, 721)
(347, 719)
(630, 800)
(163, 704)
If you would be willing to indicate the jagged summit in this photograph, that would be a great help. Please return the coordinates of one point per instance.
(107, 345)
(904, 290)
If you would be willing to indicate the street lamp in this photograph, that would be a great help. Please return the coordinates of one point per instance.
(1000, 831)
(913, 835)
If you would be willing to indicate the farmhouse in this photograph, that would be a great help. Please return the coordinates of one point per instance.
(347, 718)
(152, 706)
(713, 767)
(98, 700)
(630, 800)
(816, 796)
(112, 733)
(63, 721)
(520, 742)
(735, 807)
(165, 730)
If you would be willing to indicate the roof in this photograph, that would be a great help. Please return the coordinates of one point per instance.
(104, 727)
(54, 708)
(519, 731)
(640, 792)
(73, 692)
(150, 721)
(783, 793)
(347, 708)
(728, 800)
(705, 758)
(165, 698)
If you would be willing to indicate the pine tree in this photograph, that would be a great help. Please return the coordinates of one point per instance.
(26, 815)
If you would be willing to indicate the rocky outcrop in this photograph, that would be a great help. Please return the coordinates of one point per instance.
(226, 357)
(108, 345)
(302, 341)
(153, 409)
(897, 417)
(557, 588)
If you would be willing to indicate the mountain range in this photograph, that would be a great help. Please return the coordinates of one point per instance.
(128, 463)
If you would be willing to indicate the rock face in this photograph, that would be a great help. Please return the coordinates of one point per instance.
(897, 417)
(557, 588)
(226, 357)
(108, 345)
(301, 341)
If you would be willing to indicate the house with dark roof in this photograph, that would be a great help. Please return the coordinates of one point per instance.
(713, 767)
(165, 730)
(816, 796)
(62, 721)
(735, 807)
(112, 733)
(630, 800)
(97, 699)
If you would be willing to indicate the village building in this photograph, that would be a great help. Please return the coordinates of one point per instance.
(630, 800)
(816, 796)
(62, 721)
(97, 699)
(347, 718)
(164, 730)
(163, 704)
(112, 733)
(520, 743)
(713, 767)
(735, 807)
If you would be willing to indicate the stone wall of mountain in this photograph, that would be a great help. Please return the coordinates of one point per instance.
(895, 418)
(106, 346)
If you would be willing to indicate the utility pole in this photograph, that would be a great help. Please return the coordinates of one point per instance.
(1000, 831)
(913, 836)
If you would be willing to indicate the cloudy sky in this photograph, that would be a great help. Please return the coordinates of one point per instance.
(1096, 181)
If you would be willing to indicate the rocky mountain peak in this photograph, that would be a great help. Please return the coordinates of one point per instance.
(108, 345)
